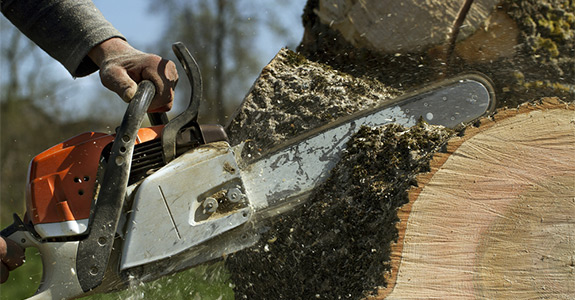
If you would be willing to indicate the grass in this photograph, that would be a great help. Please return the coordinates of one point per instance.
(209, 281)
(23, 282)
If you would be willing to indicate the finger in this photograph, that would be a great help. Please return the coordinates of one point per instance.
(165, 78)
(3, 268)
(117, 80)
(14, 256)
(160, 103)
(3, 273)
(3, 248)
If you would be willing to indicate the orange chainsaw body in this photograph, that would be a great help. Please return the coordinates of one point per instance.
(62, 181)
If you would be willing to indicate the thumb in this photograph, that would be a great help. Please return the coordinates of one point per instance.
(117, 80)
(129, 92)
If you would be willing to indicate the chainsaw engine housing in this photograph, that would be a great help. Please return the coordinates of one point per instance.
(63, 180)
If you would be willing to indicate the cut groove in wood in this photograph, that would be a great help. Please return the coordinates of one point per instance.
(495, 217)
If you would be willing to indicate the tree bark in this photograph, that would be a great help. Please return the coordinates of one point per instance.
(401, 26)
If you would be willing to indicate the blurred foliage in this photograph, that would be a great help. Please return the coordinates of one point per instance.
(32, 120)
(208, 281)
(222, 37)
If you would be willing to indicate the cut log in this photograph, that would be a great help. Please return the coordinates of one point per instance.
(344, 243)
(495, 218)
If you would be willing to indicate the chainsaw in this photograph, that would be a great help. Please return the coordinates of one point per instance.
(106, 209)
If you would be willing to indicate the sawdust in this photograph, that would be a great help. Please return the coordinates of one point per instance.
(293, 95)
(337, 246)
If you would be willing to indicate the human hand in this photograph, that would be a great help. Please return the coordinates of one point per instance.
(11, 257)
(122, 67)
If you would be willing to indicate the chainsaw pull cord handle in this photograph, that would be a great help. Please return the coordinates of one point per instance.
(189, 117)
(94, 251)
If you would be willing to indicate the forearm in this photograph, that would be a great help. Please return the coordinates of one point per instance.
(66, 29)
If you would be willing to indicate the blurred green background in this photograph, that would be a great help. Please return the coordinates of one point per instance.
(209, 281)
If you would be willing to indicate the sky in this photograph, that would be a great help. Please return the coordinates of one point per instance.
(142, 28)
(134, 19)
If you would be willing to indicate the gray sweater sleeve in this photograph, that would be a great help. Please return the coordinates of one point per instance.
(65, 29)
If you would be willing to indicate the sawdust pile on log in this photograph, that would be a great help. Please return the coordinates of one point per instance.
(337, 246)
(293, 95)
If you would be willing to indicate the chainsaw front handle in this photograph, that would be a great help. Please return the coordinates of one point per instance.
(73, 268)
(94, 251)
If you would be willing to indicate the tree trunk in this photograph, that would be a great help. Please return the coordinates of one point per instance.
(401, 26)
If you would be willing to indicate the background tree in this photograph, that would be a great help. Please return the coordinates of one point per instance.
(32, 119)
(19, 115)
(222, 36)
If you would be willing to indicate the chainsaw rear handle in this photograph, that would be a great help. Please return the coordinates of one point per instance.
(59, 280)
(72, 268)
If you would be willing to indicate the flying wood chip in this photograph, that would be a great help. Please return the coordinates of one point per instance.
(495, 217)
